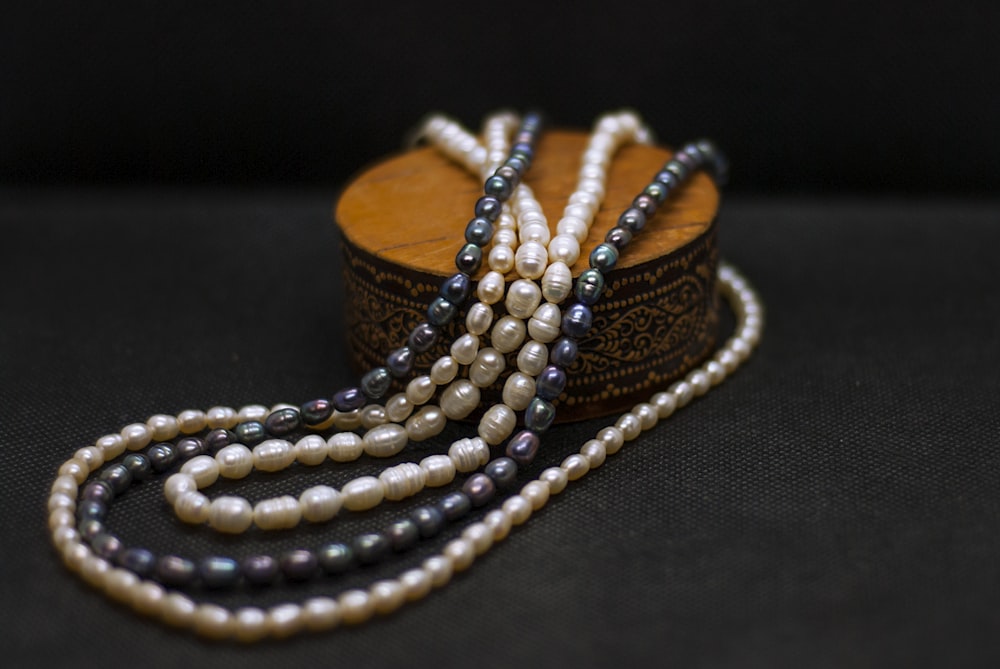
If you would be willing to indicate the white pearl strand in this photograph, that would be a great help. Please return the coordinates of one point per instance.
(383, 596)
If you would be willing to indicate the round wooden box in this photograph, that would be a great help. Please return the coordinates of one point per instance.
(403, 221)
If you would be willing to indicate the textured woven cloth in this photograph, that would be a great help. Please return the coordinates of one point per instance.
(835, 503)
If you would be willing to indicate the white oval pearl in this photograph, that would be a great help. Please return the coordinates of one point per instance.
(277, 513)
(421, 389)
(491, 287)
(119, 584)
(320, 613)
(137, 436)
(311, 450)
(531, 259)
(385, 440)
(347, 420)
(518, 391)
(356, 606)
(612, 438)
(443, 371)
(372, 416)
(213, 621)
(465, 348)
(505, 235)
(497, 424)
(665, 404)
(700, 383)
(427, 423)
(499, 523)
(76, 468)
(147, 598)
(488, 366)
(579, 210)
(190, 421)
(217, 417)
(255, 412)
(533, 357)
(523, 297)
(362, 493)
(399, 407)
(93, 456)
(683, 392)
(545, 323)
(647, 415)
(273, 455)
(508, 334)
(163, 427)
(557, 282)
(178, 484)
(479, 318)
(439, 569)
(536, 230)
(592, 171)
(518, 508)
(416, 583)
(459, 399)
(501, 258)
(584, 198)
(236, 461)
(320, 503)
(716, 372)
(284, 620)
(66, 485)
(387, 595)
(576, 228)
(461, 553)
(192, 507)
(111, 445)
(439, 470)
(251, 623)
(480, 536)
(564, 248)
(230, 514)
(537, 494)
(595, 453)
(345, 447)
(469, 454)
(629, 425)
(403, 480)
(555, 478)
(203, 468)
(575, 466)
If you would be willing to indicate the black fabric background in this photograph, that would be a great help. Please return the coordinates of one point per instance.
(833, 504)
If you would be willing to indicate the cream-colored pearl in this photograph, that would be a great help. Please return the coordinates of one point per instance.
(74, 554)
(647, 415)
(163, 427)
(612, 438)
(586, 199)
(508, 334)
(557, 282)
(385, 440)
(505, 234)
(440, 470)
(387, 595)
(439, 568)
(235, 461)
(59, 518)
(487, 367)
(190, 421)
(518, 508)
(461, 553)
(556, 479)
(545, 323)
(373, 415)
(118, 583)
(76, 468)
(629, 425)
(320, 613)
(575, 466)
(459, 399)
(273, 455)
(533, 357)
(491, 287)
(277, 513)
(65, 535)
(111, 445)
(66, 485)
(345, 447)
(421, 389)
(700, 383)
(595, 453)
(203, 469)
(443, 371)
(213, 621)
(564, 248)
(416, 584)
(479, 318)
(230, 514)
(347, 420)
(93, 570)
(251, 624)
(148, 597)
(356, 606)
(403, 480)
(716, 372)
(480, 536)
(253, 412)
(320, 503)
(60, 500)
(683, 392)
(469, 454)
(465, 348)
(531, 259)
(592, 171)
(665, 404)
(537, 494)
(399, 407)
(178, 484)
(523, 297)
(429, 422)
(225, 417)
(535, 231)
(499, 523)
(362, 493)
(497, 424)
(576, 228)
(518, 391)
(311, 450)
(501, 258)
(284, 620)
(91, 455)
(595, 186)
(137, 436)
(192, 507)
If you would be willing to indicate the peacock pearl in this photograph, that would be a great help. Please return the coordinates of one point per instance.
(523, 447)
(645, 203)
(454, 505)
(604, 257)
(349, 399)
(511, 175)
(217, 439)
(618, 237)
(316, 412)
(400, 362)
(250, 433)
(589, 286)
(371, 547)
(97, 491)
(480, 489)
(658, 191)
(441, 311)
(468, 260)
(259, 569)
(283, 422)
(539, 415)
(218, 572)
(517, 163)
(161, 457)
(564, 352)
(375, 383)
(668, 179)
(173, 570)
(107, 546)
(403, 534)
(502, 471)
(498, 187)
(488, 207)
(457, 288)
(91, 509)
(335, 558)
(189, 447)
(479, 231)
(577, 320)
(429, 520)
(298, 565)
(679, 169)
(550, 383)
(137, 560)
(118, 477)
(632, 219)
(423, 337)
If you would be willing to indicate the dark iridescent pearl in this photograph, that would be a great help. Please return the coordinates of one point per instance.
(97, 491)
(348, 399)
(218, 572)
(137, 560)
(375, 383)
(589, 286)
(107, 546)
(218, 439)
(90, 528)
(695, 155)
(370, 548)
(403, 534)
(400, 361)
(502, 471)
(668, 179)
(618, 237)
(550, 383)
(645, 203)
(539, 415)
(633, 219)
(457, 288)
(454, 505)
(510, 174)
(604, 257)
(677, 168)
(316, 412)
(441, 311)
(469, 259)
(657, 190)
(298, 565)
(175, 571)
(488, 207)
(516, 163)
(161, 457)
(479, 231)
(498, 187)
(91, 509)
(564, 352)
(189, 447)
(283, 422)
(688, 160)
(429, 521)
(250, 433)
(118, 477)
(524, 151)
(138, 466)
(423, 337)
(523, 447)
(576, 320)
(259, 569)
(480, 489)
(335, 558)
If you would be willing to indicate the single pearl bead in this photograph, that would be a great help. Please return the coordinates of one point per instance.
(629, 425)
(464, 349)
(499, 523)
(230, 514)
(137, 436)
(387, 595)
(595, 453)
(501, 258)
(518, 508)
(356, 606)
(555, 478)
(91, 455)
(518, 391)
(345, 447)
(579, 210)
(439, 569)
(111, 445)
(373, 415)
(491, 287)
(564, 248)
(508, 334)
(426, 423)
(253, 412)
(203, 469)
(284, 620)
(178, 484)
(536, 493)
(403, 480)
(576, 228)
(479, 318)
(163, 427)
(612, 438)
(545, 323)
(523, 297)
(273, 455)
(497, 424)
(422, 388)
(575, 466)
(488, 366)
(531, 259)
(362, 493)
(225, 417)
(416, 584)
(439, 470)
(277, 513)
(461, 553)
(533, 358)
(213, 622)
(468, 455)
(665, 404)
(251, 623)
(311, 450)
(321, 613)
(557, 282)
(700, 382)
(535, 230)
(399, 407)
(236, 461)
(647, 415)
(480, 535)
(385, 440)
(504, 236)
(459, 399)
(320, 503)
(191, 421)
(443, 371)
(192, 507)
